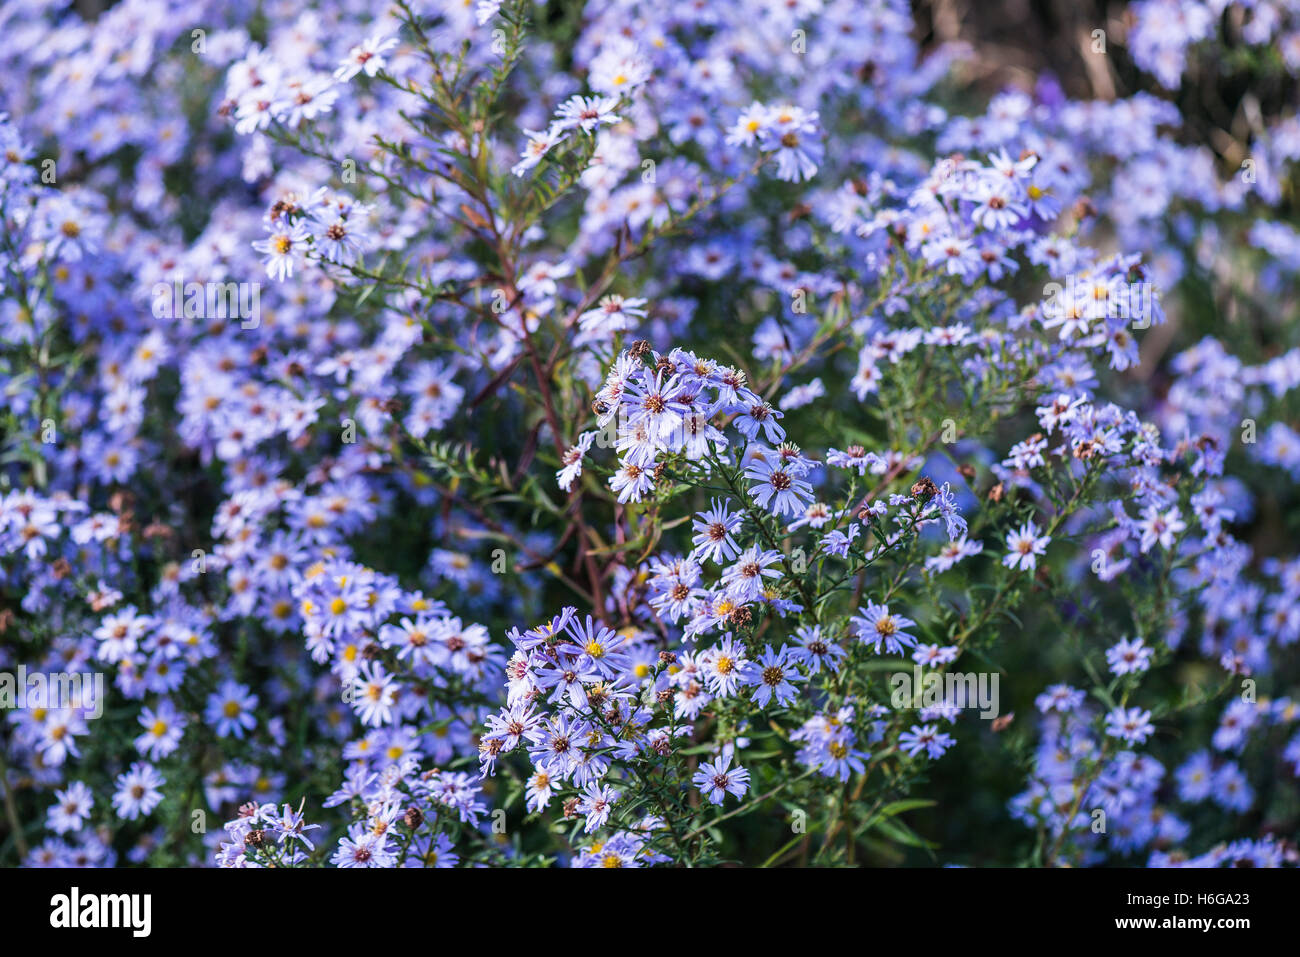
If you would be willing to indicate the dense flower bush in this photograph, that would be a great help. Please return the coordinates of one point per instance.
(512, 434)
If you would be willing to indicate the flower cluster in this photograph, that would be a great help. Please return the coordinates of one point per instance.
(613, 436)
